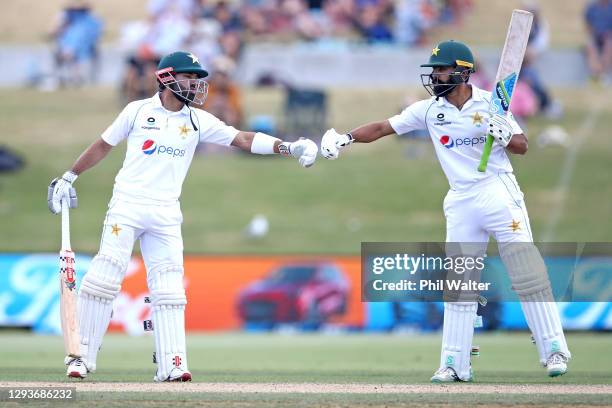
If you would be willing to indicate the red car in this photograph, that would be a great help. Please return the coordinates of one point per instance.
(299, 292)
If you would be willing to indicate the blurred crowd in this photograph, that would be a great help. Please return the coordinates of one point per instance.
(216, 31)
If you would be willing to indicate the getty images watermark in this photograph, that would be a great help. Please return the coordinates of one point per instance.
(433, 271)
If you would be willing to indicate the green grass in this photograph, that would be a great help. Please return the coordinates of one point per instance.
(390, 359)
(506, 358)
(373, 193)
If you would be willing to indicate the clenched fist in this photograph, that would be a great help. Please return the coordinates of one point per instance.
(332, 142)
(500, 129)
(305, 150)
(61, 189)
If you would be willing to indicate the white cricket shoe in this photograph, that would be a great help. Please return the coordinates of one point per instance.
(447, 375)
(556, 365)
(76, 368)
(176, 375)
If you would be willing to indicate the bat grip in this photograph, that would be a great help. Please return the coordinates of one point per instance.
(486, 152)
(65, 224)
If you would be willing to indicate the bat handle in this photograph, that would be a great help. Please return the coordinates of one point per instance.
(65, 224)
(486, 152)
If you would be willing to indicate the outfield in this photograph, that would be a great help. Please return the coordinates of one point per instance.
(373, 193)
(293, 369)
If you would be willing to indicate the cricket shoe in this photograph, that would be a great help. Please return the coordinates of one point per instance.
(556, 365)
(76, 368)
(176, 375)
(448, 375)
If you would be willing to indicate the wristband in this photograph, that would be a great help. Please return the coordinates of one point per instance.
(69, 176)
(284, 149)
(263, 144)
(350, 140)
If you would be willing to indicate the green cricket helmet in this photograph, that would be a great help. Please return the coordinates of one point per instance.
(186, 90)
(182, 62)
(453, 54)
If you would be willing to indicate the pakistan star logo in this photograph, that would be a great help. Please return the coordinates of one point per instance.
(477, 119)
(194, 59)
(515, 226)
(435, 51)
(115, 230)
(184, 131)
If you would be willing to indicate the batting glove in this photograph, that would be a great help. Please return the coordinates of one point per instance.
(500, 129)
(305, 150)
(332, 142)
(61, 189)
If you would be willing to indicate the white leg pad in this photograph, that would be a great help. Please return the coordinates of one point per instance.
(457, 334)
(99, 287)
(529, 278)
(168, 303)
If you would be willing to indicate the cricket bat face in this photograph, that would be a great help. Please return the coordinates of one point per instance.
(68, 303)
(508, 71)
(511, 61)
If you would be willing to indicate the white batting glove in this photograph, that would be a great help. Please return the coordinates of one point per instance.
(332, 142)
(500, 129)
(61, 189)
(305, 150)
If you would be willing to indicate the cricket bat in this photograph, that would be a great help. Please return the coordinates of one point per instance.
(68, 290)
(507, 72)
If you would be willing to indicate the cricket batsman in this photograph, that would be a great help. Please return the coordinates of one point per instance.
(162, 133)
(478, 205)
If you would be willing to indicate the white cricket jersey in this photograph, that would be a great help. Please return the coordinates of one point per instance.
(458, 136)
(160, 147)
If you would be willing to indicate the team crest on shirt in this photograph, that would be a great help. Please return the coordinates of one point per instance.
(184, 131)
(441, 120)
(477, 119)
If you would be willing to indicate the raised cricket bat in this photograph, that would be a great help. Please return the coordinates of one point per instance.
(68, 290)
(508, 72)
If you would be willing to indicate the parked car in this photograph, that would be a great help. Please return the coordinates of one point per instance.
(298, 292)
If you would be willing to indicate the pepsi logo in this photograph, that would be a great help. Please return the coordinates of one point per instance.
(447, 141)
(149, 147)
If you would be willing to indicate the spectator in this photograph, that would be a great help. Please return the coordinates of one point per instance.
(536, 45)
(452, 11)
(598, 18)
(224, 100)
(412, 20)
(371, 25)
(76, 34)
(171, 25)
(226, 16)
(337, 17)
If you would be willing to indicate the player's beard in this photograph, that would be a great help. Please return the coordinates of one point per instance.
(439, 88)
(442, 88)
